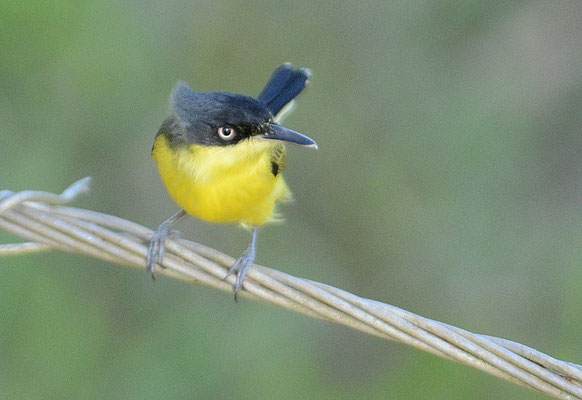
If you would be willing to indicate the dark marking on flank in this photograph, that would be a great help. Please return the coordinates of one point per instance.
(274, 168)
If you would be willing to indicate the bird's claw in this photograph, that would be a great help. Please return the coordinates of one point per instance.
(157, 249)
(155, 252)
(241, 268)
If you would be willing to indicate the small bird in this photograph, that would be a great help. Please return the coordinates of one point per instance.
(221, 156)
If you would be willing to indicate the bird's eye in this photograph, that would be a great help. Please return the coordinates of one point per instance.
(226, 132)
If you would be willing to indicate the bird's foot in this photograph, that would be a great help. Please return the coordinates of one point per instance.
(241, 268)
(156, 251)
(157, 246)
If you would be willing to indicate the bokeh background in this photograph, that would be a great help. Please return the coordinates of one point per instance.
(448, 182)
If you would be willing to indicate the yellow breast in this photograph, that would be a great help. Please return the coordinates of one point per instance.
(222, 183)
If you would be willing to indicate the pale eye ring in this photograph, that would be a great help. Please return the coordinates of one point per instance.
(226, 132)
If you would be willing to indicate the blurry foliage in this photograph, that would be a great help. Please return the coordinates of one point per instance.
(448, 182)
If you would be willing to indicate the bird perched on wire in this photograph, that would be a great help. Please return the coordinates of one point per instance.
(221, 156)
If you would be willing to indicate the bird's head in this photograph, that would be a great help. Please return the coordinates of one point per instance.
(225, 119)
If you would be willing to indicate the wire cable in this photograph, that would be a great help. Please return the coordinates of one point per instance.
(40, 218)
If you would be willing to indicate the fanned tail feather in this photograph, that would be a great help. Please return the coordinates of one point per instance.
(283, 86)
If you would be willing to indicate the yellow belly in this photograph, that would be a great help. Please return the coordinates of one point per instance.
(223, 183)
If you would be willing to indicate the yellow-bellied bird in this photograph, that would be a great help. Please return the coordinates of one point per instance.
(221, 156)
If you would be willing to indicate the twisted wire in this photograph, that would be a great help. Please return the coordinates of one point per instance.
(41, 218)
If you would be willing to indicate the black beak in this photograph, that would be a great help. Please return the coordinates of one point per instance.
(282, 134)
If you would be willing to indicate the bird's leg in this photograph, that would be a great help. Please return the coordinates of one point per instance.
(242, 265)
(157, 243)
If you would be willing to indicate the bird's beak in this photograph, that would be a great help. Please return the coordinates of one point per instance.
(282, 134)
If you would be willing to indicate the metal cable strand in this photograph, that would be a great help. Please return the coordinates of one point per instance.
(37, 217)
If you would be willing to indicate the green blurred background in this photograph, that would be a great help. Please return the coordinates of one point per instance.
(448, 182)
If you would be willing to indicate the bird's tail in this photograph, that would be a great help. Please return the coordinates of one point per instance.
(283, 86)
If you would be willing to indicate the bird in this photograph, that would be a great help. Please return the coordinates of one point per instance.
(221, 157)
